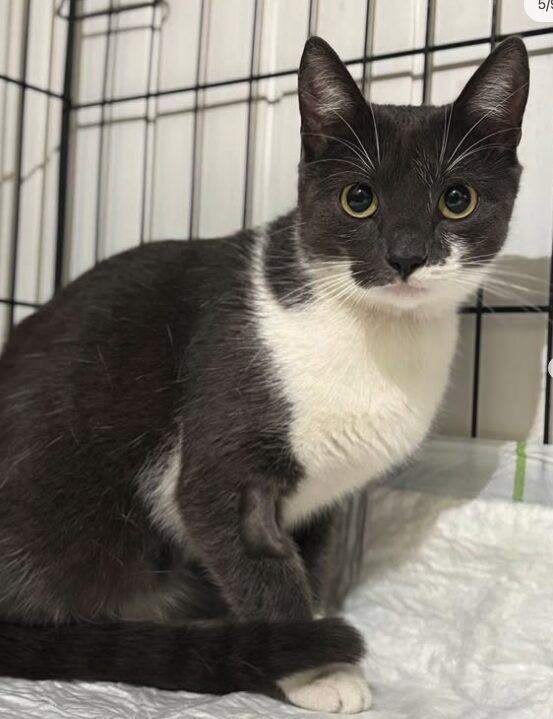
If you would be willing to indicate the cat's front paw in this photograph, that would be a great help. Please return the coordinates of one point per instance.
(340, 688)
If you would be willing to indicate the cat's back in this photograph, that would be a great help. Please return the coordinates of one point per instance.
(135, 285)
(109, 349)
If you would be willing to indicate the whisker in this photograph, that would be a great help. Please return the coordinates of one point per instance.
(479, 142)
(354, 133)
(500, 291)
(473, 152)
(376, 138)
(447, 125)
(361, 169)
(506, 274)
(484, 116)
(498, 272)
(361, 146)
(362, 156)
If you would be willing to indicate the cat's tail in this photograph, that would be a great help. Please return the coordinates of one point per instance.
(201, 657)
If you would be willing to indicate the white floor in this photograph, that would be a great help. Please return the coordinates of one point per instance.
(457, 609)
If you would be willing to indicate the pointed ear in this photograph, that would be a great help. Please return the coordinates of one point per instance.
(328, 95)
(495, 97)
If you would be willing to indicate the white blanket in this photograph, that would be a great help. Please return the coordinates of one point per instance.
(456, 606)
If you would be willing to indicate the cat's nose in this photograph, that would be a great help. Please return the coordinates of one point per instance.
(405, 265)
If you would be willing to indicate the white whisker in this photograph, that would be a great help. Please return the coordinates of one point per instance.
(376, 138)
(481, 119)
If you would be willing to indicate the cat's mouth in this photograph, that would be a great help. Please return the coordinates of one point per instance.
(400, 288)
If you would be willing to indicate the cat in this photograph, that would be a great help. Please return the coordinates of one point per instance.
(179, 422)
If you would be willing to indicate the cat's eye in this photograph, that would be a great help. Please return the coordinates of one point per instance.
(458, 201)
(358, 201)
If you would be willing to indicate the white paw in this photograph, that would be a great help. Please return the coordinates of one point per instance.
(340, 688)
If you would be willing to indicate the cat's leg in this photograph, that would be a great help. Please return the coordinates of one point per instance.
(273, 588)
(314, 541)
(340, 688)
(255, 585)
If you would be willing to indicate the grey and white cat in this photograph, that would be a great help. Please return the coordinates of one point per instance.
(177, 424)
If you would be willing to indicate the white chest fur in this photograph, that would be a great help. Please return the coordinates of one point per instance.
(363, 390)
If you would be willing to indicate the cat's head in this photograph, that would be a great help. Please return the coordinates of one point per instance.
(405, 207)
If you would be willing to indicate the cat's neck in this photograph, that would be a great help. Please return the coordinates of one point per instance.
(279, 258)
(362, 386)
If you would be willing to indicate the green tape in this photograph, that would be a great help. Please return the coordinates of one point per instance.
(520, 473)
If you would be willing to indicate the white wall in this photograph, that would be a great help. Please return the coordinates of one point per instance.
(132, 167)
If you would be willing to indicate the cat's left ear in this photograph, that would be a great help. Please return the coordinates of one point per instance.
(494, 99)
(328, 95)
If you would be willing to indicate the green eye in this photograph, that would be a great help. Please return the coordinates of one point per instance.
(458, 201)
(358, 201)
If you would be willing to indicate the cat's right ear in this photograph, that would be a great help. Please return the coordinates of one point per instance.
(494, 99)
(328, 96)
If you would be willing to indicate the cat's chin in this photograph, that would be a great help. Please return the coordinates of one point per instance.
(404, 290)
